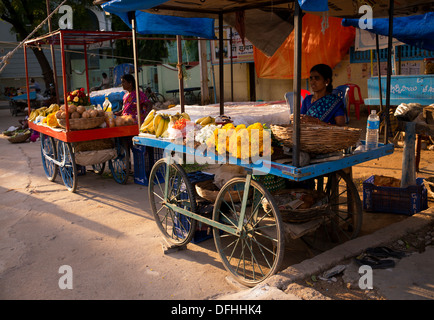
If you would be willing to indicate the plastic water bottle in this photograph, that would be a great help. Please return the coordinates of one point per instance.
(372, 129)
(107, 105)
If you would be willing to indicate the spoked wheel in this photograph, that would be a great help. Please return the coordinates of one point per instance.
(68, 168)
(98, 168)
(343, 220)
(120, 166)
(48, 150)
(170, 184)
(256, 252)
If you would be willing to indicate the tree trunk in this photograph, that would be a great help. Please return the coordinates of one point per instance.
(47, 72)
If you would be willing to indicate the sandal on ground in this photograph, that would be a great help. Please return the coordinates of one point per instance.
(385, 252)
(374, 262)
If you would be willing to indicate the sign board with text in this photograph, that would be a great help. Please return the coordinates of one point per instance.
(241, 53)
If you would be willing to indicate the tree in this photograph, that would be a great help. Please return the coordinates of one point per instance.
(26, 15)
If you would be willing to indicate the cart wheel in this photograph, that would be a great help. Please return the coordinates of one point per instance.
(177, 228)
(120, 166)
(98, 168)
(68, 168)
(48, 149)
(256, 252)
(344, 218)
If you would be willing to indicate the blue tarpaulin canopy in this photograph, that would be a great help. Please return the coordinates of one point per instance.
(415, 30)
(265, 29)
(148, 23)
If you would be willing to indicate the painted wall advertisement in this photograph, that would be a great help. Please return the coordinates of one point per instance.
(240, 52)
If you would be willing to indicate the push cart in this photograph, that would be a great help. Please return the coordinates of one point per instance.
(58, 152)
(248, 229)
(58, 145)
(18, 103)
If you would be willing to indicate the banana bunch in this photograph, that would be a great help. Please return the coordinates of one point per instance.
(52, 108)
(205, 121)
(161, 124)
(148, 120)
(36, 113)
(178, 116)
(43, 111)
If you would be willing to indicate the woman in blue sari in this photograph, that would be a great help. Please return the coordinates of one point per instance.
(323, 105)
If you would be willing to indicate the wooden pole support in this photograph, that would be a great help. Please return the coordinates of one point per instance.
(408, 177)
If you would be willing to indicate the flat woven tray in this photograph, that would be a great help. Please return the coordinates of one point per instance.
(300, 215)
(429, 185)
(317, 138)
(22, 137)
(82, 123)
(209, 191)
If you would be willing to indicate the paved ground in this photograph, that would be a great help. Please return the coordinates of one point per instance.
(107, 235)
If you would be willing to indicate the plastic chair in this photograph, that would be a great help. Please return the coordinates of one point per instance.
(289, 98)
(342, 92)
(352, 99)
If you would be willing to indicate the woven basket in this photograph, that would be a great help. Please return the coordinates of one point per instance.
(92, 145)
(209, 191)
(271, 182)
(299, 215)
(22, 137)
(82, 123)
(318, 139)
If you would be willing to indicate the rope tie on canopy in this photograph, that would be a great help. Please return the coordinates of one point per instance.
(325, 22)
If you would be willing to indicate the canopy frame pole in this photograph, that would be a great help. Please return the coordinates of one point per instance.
(136, 67)
(27, 80)
(297, 84)
(221, 65)
(232, 65)
(86, 65)
(389, 71)
(65, 83)
(377, 44)
(53, 56)
(180, 74)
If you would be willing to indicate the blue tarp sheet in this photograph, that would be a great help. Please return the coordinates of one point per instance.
(148, 23)
(117, 6)
(415, 30)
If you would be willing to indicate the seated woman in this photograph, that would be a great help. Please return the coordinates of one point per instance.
(323, 105)
(130, 99)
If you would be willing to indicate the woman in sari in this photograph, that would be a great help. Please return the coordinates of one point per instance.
(323, 105)
(130, 99)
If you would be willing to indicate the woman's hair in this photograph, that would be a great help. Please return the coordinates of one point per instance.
(128, 78)
(326, 72)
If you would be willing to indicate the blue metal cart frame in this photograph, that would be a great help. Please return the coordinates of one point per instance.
(245, 216)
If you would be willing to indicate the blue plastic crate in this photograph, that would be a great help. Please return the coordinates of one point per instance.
(408, 201)
(81, 170)
(199, 176)
(182, 222)
(144, 159)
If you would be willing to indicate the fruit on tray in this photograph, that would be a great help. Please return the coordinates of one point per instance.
(52, 120)
(163, 125)
(77, 112)
(204, 121)
(241, 141)
(148, 119)
(158, 123)
(43, 111)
